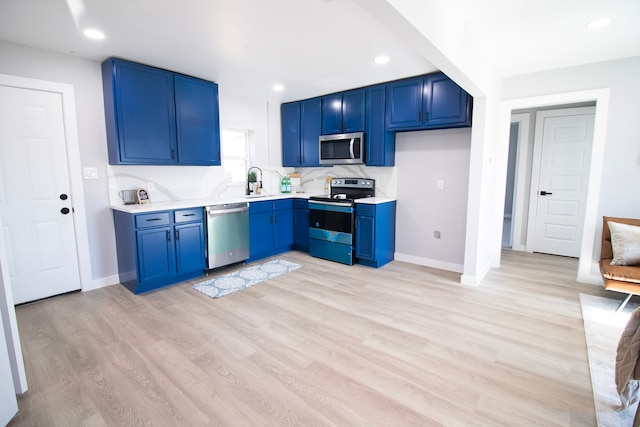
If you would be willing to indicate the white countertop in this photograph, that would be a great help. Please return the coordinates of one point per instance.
(374, 200)
(196, 203)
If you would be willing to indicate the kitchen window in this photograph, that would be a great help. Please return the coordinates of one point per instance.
(235, 155)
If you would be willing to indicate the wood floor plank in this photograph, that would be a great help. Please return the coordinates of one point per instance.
(327, 344)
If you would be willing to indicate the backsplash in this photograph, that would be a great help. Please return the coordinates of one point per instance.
(171, 183)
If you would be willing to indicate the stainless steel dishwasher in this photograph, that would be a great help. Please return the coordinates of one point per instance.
(227, 234)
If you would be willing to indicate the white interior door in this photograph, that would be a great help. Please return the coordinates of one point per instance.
(563, 152)
(35, 195)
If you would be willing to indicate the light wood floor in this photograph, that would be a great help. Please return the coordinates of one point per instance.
(327, 344)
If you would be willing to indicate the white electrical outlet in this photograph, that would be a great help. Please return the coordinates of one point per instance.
(440, 184)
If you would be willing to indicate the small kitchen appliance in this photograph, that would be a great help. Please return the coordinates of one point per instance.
(332, 219)
(342, 149)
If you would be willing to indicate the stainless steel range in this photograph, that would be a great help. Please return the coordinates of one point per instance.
(332, 219)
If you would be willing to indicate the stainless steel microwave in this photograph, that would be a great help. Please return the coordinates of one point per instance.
(342, 149)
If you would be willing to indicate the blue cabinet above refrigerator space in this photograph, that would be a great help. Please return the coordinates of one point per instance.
(429, 102)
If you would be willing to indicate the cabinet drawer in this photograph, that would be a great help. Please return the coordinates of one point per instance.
(256, 207)
(187, 215)
(367, 210)
(152, 219)
(300, 204)
(283, 204)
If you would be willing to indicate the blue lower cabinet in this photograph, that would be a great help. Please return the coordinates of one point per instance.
(160, 248)
(156, 254)
(270, 228)
(375, 233)
(190, 244)
(301, 224)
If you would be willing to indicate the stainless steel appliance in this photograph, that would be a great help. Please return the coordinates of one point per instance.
(342, 149)
(227, 234)
(332, 219)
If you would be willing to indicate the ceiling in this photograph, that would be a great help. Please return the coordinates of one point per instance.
(314, 47)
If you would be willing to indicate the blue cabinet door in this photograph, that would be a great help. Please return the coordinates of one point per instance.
(290, 118)
(198, 121)
(343, 112)
(283, 229)
(332, 114)
(310, 128)
(353, 111)
(365, 237)
(156, 258)
(140, 113)
(301, 224)
(446, 103)
(404, 104)
(190, 253)
(260, 229)
(380, 143)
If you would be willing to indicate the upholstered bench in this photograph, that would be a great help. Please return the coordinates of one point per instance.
(620, 256)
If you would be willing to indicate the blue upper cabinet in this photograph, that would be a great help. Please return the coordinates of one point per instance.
(290, 117)
(198, 122)
(404, 104)
(429, 102)
(446, 103)
(343, 112)
(156, 117)
(301, 122)
(380, 143)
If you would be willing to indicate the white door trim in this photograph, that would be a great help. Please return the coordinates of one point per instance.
(73, 155)
(601, 96)
(520, 186)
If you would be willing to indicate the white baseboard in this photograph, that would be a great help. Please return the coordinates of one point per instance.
(101, 283)
(427, 262)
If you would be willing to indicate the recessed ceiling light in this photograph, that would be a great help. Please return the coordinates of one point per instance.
(381, 60)
(598, 23)
(278, 88)
(94, 34)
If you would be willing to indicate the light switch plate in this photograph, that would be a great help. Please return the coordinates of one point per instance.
(90, 173)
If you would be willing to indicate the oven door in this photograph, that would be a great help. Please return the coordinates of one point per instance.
(331, 229)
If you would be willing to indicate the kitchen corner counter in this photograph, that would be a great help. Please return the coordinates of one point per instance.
(374, 200)
(197, 203)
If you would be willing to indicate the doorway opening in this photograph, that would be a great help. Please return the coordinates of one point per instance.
(522, 112)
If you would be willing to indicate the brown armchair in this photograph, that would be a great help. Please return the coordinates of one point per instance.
(619, 278)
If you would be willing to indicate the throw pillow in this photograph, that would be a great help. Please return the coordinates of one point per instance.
(625, 242)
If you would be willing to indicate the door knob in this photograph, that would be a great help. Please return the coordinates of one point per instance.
(64, 211)
(63, 196)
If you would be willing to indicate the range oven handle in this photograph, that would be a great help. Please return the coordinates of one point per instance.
(319, 202)
(353, 155)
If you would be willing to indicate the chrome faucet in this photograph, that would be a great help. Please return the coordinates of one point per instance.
(249, 189)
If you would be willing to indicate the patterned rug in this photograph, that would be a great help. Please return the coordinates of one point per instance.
(602, 328)
(242, 279)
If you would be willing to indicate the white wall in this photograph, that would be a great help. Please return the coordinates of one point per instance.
(621, 161)
(423, 158)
